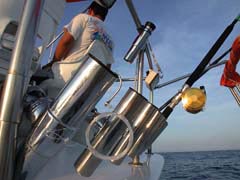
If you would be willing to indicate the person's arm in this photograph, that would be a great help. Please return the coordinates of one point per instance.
(64, 46)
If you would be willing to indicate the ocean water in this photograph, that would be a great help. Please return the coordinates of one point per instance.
(208, 165)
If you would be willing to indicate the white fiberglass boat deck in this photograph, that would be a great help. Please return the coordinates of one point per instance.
(61, 168)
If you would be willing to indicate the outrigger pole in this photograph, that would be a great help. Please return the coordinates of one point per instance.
(214, 64)
(15, 86)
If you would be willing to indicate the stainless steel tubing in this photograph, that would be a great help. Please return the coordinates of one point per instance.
(187, 75)
(140, 67)
(140, 42)
(238, 88)
(56, 38)
(139, 28)
(107, 103)
(139, 75)
(151, 98)
(137, 110)
(15, 86)
(149, 57)
(134, 13)
(8, 146)
(77, 99)
(235, 95)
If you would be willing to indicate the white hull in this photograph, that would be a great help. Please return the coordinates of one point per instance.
(61, 167)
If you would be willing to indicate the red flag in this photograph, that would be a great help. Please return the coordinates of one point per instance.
(230, 77)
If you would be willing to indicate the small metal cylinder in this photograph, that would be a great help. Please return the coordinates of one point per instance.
(139, 42)
(87, 163)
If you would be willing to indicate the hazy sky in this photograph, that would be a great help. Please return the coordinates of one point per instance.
(186, 29)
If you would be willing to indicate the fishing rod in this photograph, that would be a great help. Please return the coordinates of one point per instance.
(198, 72)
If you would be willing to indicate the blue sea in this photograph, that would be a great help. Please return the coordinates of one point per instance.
(206, 165)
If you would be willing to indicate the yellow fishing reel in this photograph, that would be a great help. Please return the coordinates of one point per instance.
(194, 99)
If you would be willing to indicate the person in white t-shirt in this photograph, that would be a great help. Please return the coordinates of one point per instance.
(79, 35)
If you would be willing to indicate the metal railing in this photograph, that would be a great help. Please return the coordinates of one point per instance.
(236, 93)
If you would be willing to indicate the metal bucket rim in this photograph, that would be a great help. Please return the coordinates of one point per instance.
(155, 107)
(103, 65)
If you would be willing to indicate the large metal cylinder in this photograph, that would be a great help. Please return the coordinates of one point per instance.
(138, 111)
(78, 98)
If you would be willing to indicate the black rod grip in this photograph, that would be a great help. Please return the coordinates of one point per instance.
(167, 111)
(200, 68)
(216, 61)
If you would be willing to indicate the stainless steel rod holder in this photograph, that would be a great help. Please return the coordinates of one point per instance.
(187, 75)
(140, 42)
(139, 28)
